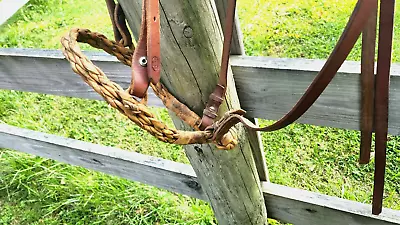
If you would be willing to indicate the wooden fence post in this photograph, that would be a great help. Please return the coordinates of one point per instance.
(191, 42)
(237, 48)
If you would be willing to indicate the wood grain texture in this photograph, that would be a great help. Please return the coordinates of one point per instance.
(267, 87)
(302, 207)
(9, 7)
(237, 48)
(285, 203)
(190, 67)
(47, 72)
(257, 149)
(172, 176)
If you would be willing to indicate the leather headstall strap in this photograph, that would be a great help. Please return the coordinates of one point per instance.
(382, 99)
(216, 98)
(353, 29)
(146, 63)
(363, 18)
(367, 86)
(117, 16)
(146, 68)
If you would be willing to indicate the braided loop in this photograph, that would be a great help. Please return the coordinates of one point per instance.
(135, 110)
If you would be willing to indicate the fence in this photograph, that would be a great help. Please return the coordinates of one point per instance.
(264, 86)
(271, 80)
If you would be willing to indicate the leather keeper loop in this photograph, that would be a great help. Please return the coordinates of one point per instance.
(210, 113)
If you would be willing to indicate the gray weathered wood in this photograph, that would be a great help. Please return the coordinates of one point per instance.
(9, 7)
(237, 48)
(190, 67)
(267, 87)
(270, 87)
(301, 207)
(257, 149)
(172, 176)
(285, 203)
(47, 71)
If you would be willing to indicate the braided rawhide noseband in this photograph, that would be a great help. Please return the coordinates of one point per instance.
(145, 63)
(135, 110)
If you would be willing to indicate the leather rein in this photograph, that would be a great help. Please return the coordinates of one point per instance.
(146, 66)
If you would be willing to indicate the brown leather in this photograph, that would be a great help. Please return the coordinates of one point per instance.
(210, 112)
(111, 8)
(363, 15)
(367, 86)
(140, 82)
(346, 42)
(120, 23)
(148, 48)
(382, 99)
(153, 41)
(216, 98)
(362, 19)
(121, 32)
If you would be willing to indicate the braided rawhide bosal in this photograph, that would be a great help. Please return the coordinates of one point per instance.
(145, 63)
(135, 110)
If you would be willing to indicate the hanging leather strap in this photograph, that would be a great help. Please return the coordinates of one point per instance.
(111, 9)
(146, 68)
(357, 23)
(354, 27)
(146, 63)
(367, 86)
(216, 98)
(121, 32)
(382, 99)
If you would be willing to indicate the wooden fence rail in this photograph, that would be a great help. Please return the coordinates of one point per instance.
(267, 82)
(286, 204)
(267, 87)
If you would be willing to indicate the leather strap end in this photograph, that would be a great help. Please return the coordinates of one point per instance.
(140, 89)
(386, 24)
(140, 81)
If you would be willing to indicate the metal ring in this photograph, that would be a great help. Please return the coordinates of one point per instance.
(143, 61)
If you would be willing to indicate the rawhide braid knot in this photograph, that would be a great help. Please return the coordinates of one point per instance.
(136, 110)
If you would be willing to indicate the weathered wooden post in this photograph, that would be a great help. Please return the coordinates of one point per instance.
(191, 42)
(237, 48)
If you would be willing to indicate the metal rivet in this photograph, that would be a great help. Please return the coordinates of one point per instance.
(143, 61)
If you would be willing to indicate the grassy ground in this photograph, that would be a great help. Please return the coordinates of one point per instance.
(34, 190)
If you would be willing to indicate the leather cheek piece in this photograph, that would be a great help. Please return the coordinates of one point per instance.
(154, 67)
(140, 81)
(153, 40)
(119, 17)
(148, 47)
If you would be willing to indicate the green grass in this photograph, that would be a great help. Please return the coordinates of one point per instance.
(35, 190)
(41, 23)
